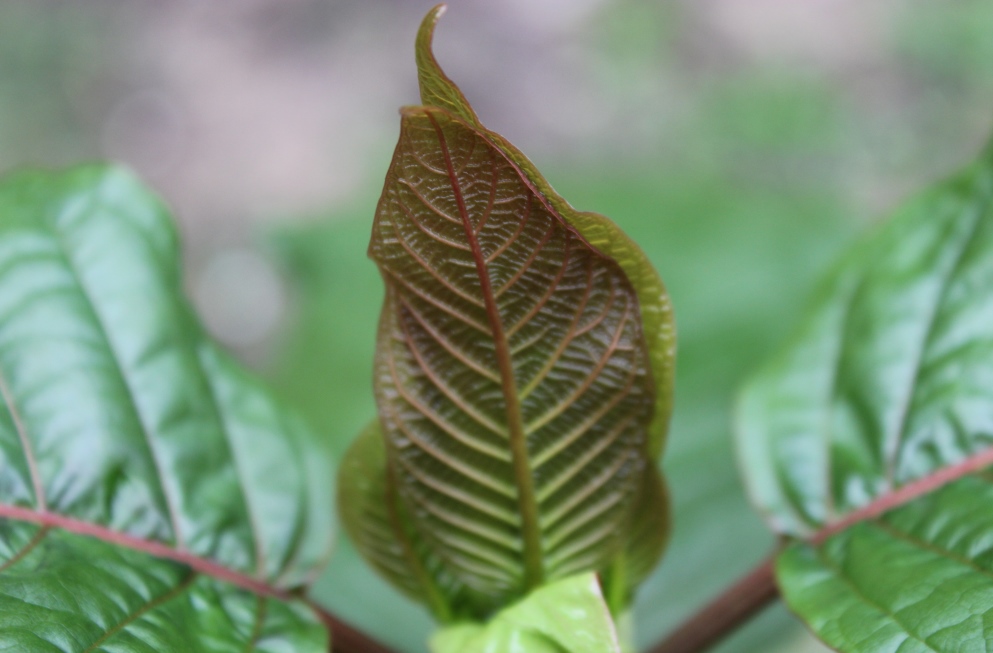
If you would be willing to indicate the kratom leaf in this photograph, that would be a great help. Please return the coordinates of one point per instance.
(885, 395)
(917, 579)
(66, 592)
(514, 380)
(379, 527)
(567, 616)
(774, 239)
(436, 89)
(646, 541)
(197, 502)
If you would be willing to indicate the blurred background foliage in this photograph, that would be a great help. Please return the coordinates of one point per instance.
(741, 142)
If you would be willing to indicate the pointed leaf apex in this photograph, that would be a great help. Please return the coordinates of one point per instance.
(437, 90)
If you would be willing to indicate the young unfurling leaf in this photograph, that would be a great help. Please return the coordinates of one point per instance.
(523, 375)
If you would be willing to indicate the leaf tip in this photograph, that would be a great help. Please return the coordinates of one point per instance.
(436, 88)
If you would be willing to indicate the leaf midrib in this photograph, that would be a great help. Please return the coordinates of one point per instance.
(520, 457)
(905, 494)
(50, 520)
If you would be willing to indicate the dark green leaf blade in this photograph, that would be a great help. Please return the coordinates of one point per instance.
(119, 418)
(883, 397)
(65, 592)
(889, 378)
(919, 578)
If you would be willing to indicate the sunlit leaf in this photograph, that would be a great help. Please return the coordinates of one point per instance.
(197, 503)
(567, 616)
(884, 395)
(514, 379)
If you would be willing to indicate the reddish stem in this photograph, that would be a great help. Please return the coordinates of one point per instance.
(755, 591)
(346, 638)
(735, 606)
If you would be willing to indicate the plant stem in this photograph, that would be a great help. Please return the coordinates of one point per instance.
(725, 614)
(346, 638)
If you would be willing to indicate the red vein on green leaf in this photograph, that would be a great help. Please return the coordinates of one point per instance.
(143, 610)
(157, 549)
(567, 338)
(542, 301)
(445, 283)
(479, 546)
(474, 526)
(411, 149)
(430, 449)
(559, 527)
(441, 306)
(427, 204)
(535, 251)
(602, 315)
(27, 450)
(525, 218)
(492, 198)
(893, 448)
(446, 343)
(907, 493)
(564, 440)
(449, 392)
(738, 603)
(530, 530)
(146, 433)
(346, 638)
(261, 610)
(429, 233)
(491, 450)
(594, 374)
(457, 494)
(567, 474)
(26, 549)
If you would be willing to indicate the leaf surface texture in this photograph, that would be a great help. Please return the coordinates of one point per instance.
(885, 398)
(516, 361)
(121, 421)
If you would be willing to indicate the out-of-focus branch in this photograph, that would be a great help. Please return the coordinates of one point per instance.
(725, 614)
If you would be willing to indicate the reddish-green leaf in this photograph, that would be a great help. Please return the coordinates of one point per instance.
(524, 363)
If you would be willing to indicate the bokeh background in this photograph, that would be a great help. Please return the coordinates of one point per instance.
(741, 142)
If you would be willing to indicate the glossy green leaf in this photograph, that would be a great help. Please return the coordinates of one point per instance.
(121, 422)
(64, 592)
(567, 616)
(514, 379)
(918, 579)
(885, 394)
